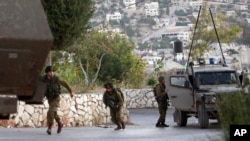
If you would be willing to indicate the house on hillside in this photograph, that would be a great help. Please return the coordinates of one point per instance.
(115, 16)
(151, 9)
(130, 4)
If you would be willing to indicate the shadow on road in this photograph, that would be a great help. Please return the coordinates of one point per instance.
(149, 116)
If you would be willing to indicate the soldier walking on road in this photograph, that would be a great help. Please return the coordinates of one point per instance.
(52, 94)
(113, 99)
(162, 101)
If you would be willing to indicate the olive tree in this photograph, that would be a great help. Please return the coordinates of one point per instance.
(107, 56)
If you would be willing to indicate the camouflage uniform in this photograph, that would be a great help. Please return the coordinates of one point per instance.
(114, 101)
(54, 101)
(52, 94)
(162, 101)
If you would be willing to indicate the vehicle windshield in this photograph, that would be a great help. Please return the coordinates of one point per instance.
(215, 78)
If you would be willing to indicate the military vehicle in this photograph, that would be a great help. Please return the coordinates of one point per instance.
(194, 91)
(25, 42)
(194, 94)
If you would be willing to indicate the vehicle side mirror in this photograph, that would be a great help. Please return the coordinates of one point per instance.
(197, 82)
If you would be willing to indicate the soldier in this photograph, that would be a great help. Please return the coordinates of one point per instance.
(162, 101)
(52, 94)
(114, 100)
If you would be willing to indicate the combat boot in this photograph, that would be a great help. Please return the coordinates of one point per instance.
(118, 127)
(158, 124)
(164, 125)
(60, 125)
(49, 129)
(123, 125)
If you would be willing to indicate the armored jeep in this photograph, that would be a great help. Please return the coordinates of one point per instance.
(194, 93)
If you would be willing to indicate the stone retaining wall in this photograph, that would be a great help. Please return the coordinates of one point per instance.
(83, 110)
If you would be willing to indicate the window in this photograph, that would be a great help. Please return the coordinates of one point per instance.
(178, 81)
(213, 78)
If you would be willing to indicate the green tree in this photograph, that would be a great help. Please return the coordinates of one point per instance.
(205, 34)
(68, 19)
(143, 46)
(105, 56)
(165, 43)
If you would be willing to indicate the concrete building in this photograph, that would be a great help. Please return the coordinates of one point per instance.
(159, 23)
(231, 13)
(182, 33)
(151, 9)
(115, 16)
(151, 60)
(241, 7)
(130, 4)
(195, 3)
(186, 2)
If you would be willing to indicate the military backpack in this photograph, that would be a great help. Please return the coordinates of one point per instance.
(120, 91)
(53, 88)
(154, 89)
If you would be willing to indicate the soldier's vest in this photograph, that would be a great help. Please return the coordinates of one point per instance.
(53, 88)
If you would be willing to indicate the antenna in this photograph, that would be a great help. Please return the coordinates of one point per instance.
(193, 37)
(224, 61)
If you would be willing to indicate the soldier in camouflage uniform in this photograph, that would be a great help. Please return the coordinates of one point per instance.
(162, 100)
(113, 99)
(52, 94)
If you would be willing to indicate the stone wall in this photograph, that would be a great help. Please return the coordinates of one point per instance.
(83, 110)
(139, 98)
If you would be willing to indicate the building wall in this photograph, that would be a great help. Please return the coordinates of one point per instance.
(130, 4)
(151, 9)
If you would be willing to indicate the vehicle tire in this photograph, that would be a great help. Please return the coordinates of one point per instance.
(181, 118)
(203, 116)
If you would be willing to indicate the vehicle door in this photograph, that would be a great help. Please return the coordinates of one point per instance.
(180, 91)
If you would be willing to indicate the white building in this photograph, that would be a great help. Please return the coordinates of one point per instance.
(231, 13)
(180, 32)
(195, 3)
(225, 1)
(151, 60)
(186, 2)
(241, 7)
(151, 9)
(160, 22)
(130, 4)
(115, 16)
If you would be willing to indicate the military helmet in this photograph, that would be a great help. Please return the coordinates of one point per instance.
(160, 78)
(48, 69)
(108, 85)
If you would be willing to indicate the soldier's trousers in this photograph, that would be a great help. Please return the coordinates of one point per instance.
(52, 112)
(162, 107)
(116, 116)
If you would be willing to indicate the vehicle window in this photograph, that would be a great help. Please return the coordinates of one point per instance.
(212, 78)
(226, 78)
(207, 78)
(178, 81)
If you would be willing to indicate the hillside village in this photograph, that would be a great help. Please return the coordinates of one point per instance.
(155, 25)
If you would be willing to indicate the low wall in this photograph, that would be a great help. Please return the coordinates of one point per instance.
(83, 110)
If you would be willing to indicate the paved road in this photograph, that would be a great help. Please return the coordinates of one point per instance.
(143, 130)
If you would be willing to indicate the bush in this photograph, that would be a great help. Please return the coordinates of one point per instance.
(151, 81)
(233, 109)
